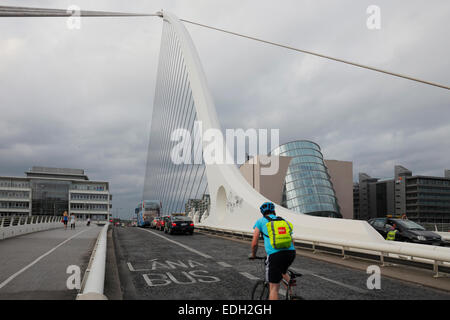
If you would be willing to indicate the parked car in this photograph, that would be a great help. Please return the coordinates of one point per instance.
(408, 231)
(179, 224)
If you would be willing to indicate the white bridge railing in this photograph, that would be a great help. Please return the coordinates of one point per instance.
(444, 235)
(437, 257)
(17, 225)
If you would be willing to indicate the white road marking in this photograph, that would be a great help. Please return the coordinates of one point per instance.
(224, 264)
(342, 284)
(252, 277)
(249, 276)
(134, 270)
(180, 244)
(359, 290)
(4, 283)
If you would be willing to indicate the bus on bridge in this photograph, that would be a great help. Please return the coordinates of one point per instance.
(146, 211)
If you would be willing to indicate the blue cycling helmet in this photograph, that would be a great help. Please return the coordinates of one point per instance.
(267, 207)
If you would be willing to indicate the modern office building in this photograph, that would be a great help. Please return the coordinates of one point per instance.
(356, 205)
(373, 197)
(51, 191)
(15, 196)
(192, 205)
(424, 199)
(198, 205)
(341, 176)
(307, 187)
(270, 186)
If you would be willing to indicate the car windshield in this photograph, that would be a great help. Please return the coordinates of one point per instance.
(410, 225)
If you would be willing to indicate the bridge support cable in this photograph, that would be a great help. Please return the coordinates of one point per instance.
(177, 120)
(191, 181)
(12, 11)
(182, 96)
(174, 108)
(234, 203)
(183, 118)
(152, 157)
(168, 112)
(168, 121)
(355, 64)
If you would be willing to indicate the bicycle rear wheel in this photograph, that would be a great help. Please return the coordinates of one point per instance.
(260, 290)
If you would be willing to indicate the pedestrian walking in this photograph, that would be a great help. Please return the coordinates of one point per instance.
(72, 221)
(65, 219)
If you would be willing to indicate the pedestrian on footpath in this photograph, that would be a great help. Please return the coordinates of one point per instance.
(72, 221)
(65, 219)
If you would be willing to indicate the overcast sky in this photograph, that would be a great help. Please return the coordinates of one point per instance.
(83, 98)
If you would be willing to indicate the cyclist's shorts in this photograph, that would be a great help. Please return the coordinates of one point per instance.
(277, 264)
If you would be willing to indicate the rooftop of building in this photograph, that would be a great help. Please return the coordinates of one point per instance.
(428, 177)
(57, 170)
(44, 172)
(402, 171)
(300, 140)
(297, 145)
(340, 161)
(15, 178)
(48, 173)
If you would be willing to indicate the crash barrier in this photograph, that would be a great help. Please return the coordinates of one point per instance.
(13, 226)
(444, 235)
(94, 277)
(421, 256)
(441, 227)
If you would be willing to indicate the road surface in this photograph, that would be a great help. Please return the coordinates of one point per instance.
(34, 266)
(155, 265)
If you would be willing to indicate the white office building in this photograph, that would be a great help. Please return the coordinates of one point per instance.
(51, 191)
(15, 196)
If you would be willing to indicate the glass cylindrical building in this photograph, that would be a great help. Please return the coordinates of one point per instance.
(307, 186)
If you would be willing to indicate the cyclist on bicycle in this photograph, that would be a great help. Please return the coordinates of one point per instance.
(278, 259)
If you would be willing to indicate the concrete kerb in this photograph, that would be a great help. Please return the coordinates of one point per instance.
(94, 277)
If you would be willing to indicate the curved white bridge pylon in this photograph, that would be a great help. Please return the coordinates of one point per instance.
(234, 203)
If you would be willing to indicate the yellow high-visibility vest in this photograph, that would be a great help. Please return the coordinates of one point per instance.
(391, 235)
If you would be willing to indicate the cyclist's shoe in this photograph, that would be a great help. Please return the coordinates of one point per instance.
(295, 297)
(294, 275)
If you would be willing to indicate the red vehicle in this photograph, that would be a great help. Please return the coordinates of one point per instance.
(153, 223)
(160, 224)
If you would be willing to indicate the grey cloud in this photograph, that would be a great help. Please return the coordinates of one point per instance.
(84, 98)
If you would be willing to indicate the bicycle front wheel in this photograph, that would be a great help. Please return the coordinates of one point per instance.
(260, 290)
